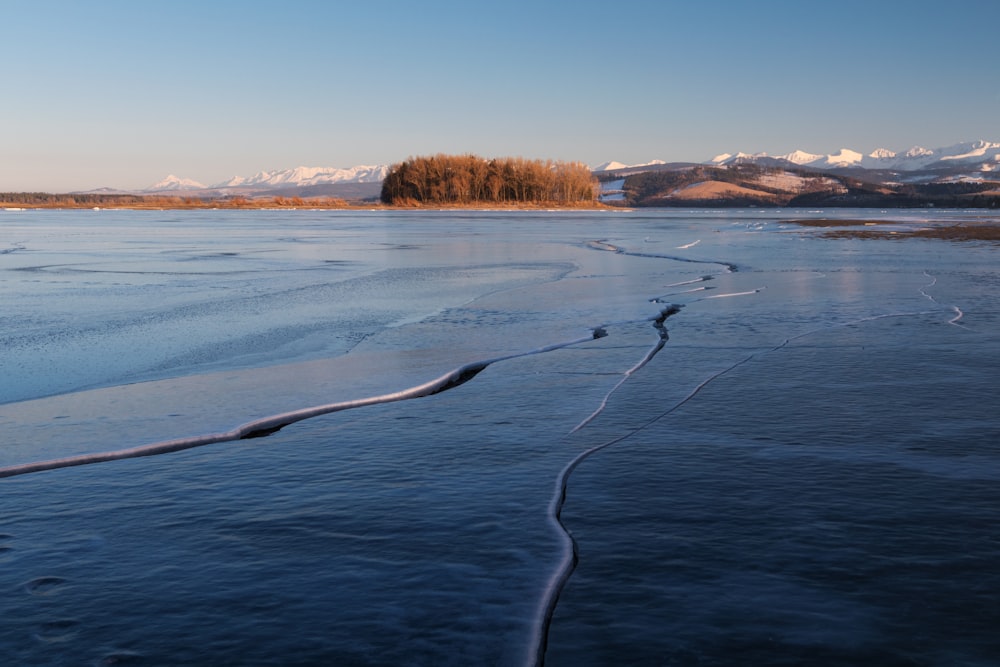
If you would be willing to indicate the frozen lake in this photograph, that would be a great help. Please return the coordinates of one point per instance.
(777, 448)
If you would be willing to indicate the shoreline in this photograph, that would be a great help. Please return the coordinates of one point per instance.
(15, 206)
(986, 230)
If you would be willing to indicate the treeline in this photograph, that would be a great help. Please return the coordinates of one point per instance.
(870, 199)
(470, 179)
(48, 200)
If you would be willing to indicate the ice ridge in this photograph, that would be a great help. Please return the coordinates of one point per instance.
(267, 425)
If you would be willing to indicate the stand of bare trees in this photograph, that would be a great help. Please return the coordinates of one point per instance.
(469, 179)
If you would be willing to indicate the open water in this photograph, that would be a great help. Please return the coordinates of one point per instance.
(767, 447)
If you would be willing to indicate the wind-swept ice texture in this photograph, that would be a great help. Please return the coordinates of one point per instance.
(268, 425)
(265, 426)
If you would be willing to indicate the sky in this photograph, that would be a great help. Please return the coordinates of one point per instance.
(120, 94)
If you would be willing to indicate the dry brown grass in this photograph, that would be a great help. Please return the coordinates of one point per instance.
(716, 190)
(987, 230)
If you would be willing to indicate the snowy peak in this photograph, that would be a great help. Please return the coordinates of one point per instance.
(240, 181)
(610, 166)
(918, 151)
(800, 157)
(881, 154)
(172, 183)
(615, 165)
(746, 156)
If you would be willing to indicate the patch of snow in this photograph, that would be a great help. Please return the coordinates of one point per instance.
(786, 181)
(963, 178)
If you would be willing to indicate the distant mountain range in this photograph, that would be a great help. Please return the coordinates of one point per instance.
(361, 182)
(982, 154)
(963, 175)
(974, 157)
(299, 177)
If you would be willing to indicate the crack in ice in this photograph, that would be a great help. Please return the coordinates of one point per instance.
(958, 311)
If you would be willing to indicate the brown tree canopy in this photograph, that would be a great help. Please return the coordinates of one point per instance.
(468, 179)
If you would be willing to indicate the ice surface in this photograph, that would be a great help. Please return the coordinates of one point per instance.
(801, 449)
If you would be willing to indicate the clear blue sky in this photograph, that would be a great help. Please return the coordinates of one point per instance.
(105, 93)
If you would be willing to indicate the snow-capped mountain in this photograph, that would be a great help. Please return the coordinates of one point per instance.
(302, 176)
(615, 166)
(172, 184)
(801, 157)
(979, 155)
(284, 178)
(845, 157)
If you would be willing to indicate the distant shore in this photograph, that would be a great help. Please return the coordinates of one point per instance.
(45, 201)
(34, 201)
(971, 230)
